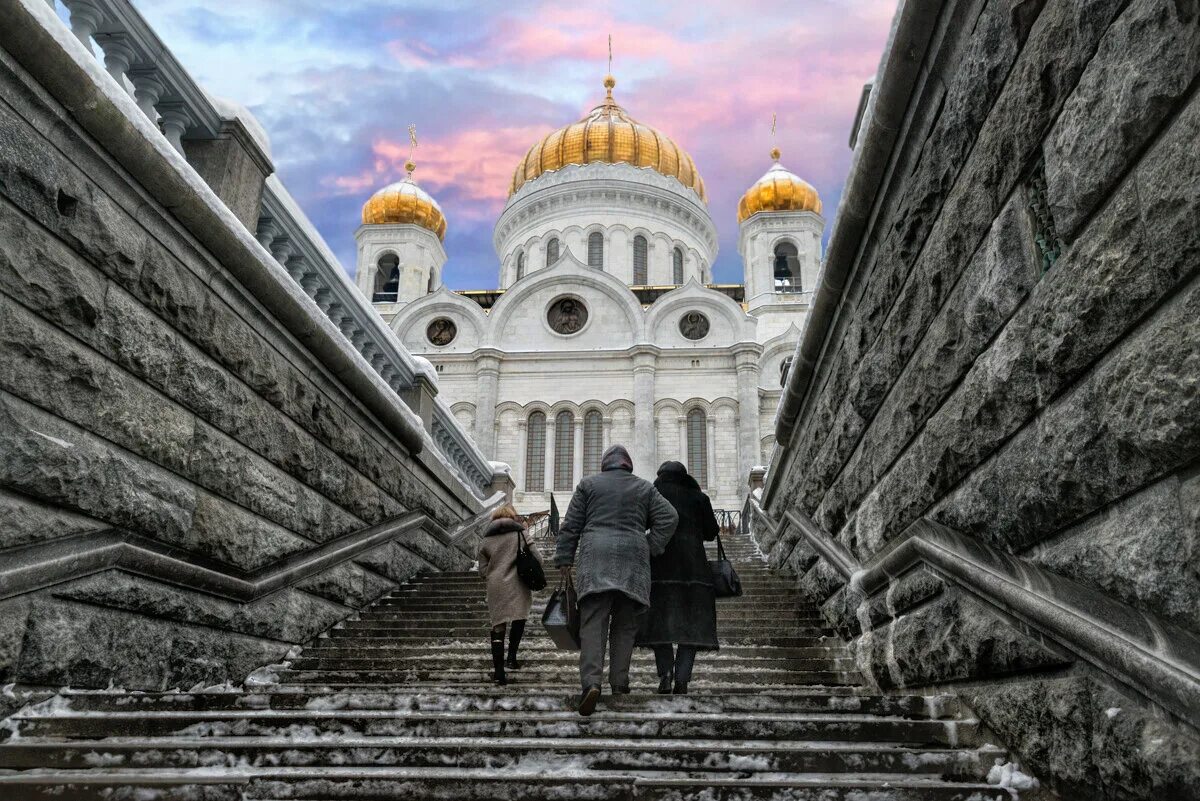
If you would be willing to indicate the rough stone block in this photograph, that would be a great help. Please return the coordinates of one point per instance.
(348, 584)
(1086, 739)
(954, 638)
(397, 563)
(1143, 550)
(819, 582)
(1142, 68)
(24, 520)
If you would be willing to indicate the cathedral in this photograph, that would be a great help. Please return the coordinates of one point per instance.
(606, 326)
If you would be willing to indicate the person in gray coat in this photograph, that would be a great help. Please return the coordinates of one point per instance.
(616, 521)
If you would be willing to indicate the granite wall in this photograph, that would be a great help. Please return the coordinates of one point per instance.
(172, 456)
(1013, 351)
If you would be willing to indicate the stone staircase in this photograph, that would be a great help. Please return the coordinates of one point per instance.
(397, 704)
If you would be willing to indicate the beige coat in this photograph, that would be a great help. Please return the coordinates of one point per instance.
(508, 599)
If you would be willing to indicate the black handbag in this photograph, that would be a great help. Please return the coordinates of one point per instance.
(529, 569)
(561, 618)
(725, 578)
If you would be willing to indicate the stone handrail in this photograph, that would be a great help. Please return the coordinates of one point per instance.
(144, 68)
(45, 564)
(1154, 658)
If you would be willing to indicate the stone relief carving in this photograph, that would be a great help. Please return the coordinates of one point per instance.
(567, 315)
(441, 331)
(694, 325)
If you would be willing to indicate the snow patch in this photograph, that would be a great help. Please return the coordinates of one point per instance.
(1009, 776)
(1112, 712)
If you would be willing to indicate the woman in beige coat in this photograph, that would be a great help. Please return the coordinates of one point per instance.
(508, 598)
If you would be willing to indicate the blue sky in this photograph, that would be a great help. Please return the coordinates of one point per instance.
(337, 84)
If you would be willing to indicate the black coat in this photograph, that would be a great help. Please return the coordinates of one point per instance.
(683, 604)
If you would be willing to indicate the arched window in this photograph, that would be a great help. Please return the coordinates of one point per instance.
(596, 250)
(564, 451)
(640, 277)
(787, 268)
(535, 453)
(593, 442)
(697, 445)
(551, 251)
(677, 266)
(520, 265)
(387, 278)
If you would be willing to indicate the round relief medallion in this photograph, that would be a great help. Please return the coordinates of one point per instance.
(693, 325)
(441, 331)
(567, 315)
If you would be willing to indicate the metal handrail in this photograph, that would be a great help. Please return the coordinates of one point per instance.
(1154, 658)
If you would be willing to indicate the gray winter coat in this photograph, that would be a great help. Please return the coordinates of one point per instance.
(607, 524)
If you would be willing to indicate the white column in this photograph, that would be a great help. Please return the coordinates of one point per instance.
(518, 463)
(487, 384)
(606, 442)
(551, 427)
(681, 421)
(746, 359)
(577, 466)
(643, 413)
(710, 455)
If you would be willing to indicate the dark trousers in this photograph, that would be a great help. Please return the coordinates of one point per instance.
(607, 620)
(678, 664)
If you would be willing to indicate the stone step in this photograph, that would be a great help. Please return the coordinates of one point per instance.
(500, 753)
(829, 727)
(480, 613)
(450, 627)
(542, 647)
(480, 661)
(642, 675)
(442, 698)
(349, 638)
(483, 784)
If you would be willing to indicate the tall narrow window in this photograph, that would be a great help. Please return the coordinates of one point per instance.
(697, 443)
(520, 265)
(593, 442)
(564, 451)
(640, 277)
(551, 251)
(677, 266)
(596, 250)
(387, 279)
(535, 453)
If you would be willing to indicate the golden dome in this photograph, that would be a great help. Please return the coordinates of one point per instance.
(405, 202)
(609, 135)
(779, 190)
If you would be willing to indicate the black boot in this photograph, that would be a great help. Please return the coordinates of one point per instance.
(681, 688)
(664, 685)
(514, 642)
(498, 663)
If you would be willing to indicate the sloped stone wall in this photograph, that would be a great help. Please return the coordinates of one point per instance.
(145, 392)
(1015, 354)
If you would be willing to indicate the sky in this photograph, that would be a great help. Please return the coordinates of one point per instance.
(336, 83)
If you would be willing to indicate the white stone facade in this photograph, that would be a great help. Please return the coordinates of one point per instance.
(627, 374)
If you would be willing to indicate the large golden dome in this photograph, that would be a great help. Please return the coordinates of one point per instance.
(405, 202)
(609, 135)
(779, 190)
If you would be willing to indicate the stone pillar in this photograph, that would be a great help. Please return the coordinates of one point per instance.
(235, 165)
(419, 397)
(758, 475)
(681, 421)
(607, 438)
(643, 412)
(746, 359)
(710, 447)
(502, 481)
(487, 387)
(551, 430)
(521, 457)
(577, 462)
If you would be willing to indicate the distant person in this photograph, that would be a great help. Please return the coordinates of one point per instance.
(683, 602)
(508, 598)
(607, 522)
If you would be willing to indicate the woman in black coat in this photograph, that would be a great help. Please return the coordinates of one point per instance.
(683, 603)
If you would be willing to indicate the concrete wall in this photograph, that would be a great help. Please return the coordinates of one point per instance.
(1050, 409)
(149, 396)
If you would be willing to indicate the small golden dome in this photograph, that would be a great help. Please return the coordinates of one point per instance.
(405, 202)
(609, 135)
(779, 190)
